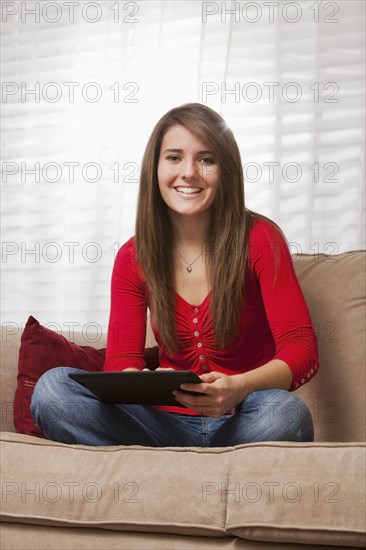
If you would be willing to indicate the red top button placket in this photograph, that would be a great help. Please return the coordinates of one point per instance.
(199, 344)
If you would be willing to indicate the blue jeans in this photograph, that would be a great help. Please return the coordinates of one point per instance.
(69, 413)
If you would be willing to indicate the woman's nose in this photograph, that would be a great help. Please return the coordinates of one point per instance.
(188, 169)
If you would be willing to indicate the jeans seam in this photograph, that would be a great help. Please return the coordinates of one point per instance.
(205, 434)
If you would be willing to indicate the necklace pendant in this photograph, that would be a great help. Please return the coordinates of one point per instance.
(189, 269)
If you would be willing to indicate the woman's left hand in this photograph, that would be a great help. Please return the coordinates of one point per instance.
(220, 393)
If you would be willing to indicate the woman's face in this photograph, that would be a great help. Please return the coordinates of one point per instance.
(188, 172)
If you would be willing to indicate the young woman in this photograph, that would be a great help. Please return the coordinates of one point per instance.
(224, 301)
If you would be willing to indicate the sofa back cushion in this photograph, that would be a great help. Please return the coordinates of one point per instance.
(335, 290)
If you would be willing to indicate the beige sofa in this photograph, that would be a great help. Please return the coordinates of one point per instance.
(253, 496)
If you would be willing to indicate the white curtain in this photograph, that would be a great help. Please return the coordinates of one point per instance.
(83, 84)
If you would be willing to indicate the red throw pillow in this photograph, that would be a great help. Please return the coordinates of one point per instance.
(42, 349)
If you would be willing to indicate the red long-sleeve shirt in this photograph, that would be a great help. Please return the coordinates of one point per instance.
(274, 322)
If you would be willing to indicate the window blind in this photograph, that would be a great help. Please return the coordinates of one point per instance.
(80, 96)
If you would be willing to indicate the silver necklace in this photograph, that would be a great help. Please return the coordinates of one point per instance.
(189, 268)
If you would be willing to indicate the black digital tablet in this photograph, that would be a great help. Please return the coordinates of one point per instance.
(136, 387)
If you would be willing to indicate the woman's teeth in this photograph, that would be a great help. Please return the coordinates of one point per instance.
(188, 191)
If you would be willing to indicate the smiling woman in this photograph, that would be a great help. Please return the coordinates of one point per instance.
(224, 299)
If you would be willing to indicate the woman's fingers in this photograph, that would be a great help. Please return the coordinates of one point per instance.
(164, 368)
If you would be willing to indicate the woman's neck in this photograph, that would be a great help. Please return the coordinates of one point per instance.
(190, 231)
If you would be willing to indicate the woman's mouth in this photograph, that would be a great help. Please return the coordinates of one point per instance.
(188, 192)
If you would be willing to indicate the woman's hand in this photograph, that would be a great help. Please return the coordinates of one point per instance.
(221, 393)
(164, 368)
(140, 370)
(132, 368)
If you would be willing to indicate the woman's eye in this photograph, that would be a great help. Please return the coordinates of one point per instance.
(203, 160)
(208, 160)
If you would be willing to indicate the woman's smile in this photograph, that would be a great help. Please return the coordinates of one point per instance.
(188, 192)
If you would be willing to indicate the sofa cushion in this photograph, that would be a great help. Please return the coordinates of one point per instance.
(22, 536)
(335, 291)
(42, 349)
(116, 487)
(308, 493)
(284, 492)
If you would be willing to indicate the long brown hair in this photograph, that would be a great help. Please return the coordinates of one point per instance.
(227, 251)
